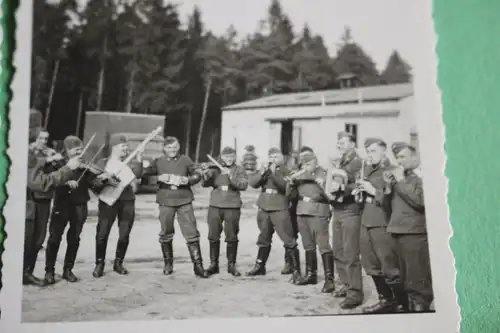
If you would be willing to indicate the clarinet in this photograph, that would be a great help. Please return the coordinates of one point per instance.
(359, 196)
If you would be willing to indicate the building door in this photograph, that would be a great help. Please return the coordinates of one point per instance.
(287, 137)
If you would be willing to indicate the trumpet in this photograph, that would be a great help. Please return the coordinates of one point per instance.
(359, 196)
(293, 175)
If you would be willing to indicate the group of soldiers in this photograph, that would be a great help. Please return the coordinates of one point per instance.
(377, 213)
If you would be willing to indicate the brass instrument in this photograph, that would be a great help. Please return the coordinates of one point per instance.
(389, 179)
(359, 195)
(293, 175)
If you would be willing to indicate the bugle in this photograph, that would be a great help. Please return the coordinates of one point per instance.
(293, 175)
(123, 172)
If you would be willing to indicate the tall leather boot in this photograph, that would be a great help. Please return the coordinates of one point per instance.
(386, 301)
(214, 258)
(195, 252)
(69, 263)
(168, 257)
(418, 306)
(28, 277)
(100, 256)
(121, 250)
(50, 262)
(232, 252)
(329, 285)
(311, 276)
(294, 256)
(260, 263)
(401, 297)
(288, 268)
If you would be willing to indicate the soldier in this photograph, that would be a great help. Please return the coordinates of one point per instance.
(176, 174)
(123, 209)
(313, 212)
(273, 214)
(346, 225)
(249, 159)
(293, 201)
(70, 205)
(40, 181)
(224, 211)
(376, 244)
(408, 227)
(42, 199)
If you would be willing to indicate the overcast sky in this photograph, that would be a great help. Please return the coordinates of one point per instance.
(379, 26)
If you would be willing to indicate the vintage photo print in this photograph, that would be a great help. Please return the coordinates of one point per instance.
(262, 166)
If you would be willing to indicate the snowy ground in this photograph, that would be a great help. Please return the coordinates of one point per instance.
(146, 294)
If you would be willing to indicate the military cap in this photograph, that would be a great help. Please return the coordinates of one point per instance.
(228, 151)
(273, 150)
(170, 140)
(344, 134)
(397, 147)
(117, 140)
(305, 149)
(250, 148)
(307, 157)
(71, 142)
(370, 141)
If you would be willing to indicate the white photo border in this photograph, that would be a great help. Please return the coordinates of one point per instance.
(431, 129)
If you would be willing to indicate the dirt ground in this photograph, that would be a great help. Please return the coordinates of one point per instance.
(146, 294)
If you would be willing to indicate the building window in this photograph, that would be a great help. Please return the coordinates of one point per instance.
(353, 129)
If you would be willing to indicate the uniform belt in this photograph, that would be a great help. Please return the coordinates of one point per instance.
(270, 191)
(172, 187)
(309, 199)
(224, 188)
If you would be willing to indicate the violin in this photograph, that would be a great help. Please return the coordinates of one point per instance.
(95, 170)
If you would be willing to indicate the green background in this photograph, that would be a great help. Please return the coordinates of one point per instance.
(469, 77)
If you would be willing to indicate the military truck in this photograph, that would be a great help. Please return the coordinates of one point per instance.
(135, 127)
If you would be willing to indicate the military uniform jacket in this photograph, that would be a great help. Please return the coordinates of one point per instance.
(40, 181)
(47, 168)
(65, 195)
(274, 189)
(351, 164)
(376, 209)
(128, 193)
(226, 188)
(180, 165)
(312, 197)
(408, 210)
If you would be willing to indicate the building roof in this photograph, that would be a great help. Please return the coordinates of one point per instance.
(138, 136)
(124, 114)
(383, 93)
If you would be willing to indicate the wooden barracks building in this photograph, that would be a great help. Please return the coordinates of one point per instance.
(289, 121)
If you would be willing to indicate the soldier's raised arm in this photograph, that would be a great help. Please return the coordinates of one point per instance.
(412, 192)
(208, 175)
(239, 179)
(278, 178)
(256, 179)
(40, 181)
(194, 174)
(352, 169)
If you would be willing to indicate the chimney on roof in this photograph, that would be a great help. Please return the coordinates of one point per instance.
(349, 80)
(360, 96)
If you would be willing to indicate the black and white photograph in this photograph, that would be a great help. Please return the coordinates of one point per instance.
(196, 165)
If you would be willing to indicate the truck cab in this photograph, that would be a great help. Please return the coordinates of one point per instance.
(154, 149)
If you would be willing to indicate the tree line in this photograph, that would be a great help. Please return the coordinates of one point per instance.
(135, 56)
